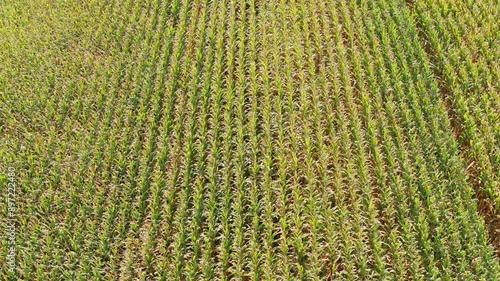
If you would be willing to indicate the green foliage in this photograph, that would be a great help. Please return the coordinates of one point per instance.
(251, 140)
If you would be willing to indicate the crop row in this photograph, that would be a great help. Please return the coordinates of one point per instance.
(463, 42)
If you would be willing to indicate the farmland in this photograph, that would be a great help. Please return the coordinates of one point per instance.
(250, 140)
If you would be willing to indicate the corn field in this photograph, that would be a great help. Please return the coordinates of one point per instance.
(250, 140)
